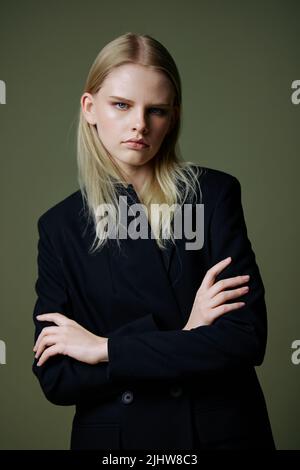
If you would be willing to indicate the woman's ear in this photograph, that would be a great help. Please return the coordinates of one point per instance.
(88, 108)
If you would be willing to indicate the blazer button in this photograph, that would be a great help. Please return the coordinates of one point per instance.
(127, 397)
(176, 391)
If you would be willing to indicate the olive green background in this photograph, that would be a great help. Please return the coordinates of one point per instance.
(237, 60)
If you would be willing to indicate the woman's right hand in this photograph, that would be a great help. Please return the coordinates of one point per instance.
(209, 301)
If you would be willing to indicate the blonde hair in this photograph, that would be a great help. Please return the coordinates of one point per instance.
(174, 180)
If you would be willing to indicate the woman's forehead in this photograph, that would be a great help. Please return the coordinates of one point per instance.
(132, 81)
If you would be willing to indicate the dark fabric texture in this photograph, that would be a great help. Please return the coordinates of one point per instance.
(162, 388)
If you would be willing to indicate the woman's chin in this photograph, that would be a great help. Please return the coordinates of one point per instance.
(135, 159)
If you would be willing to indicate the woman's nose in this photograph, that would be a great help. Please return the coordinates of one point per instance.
(140, 122)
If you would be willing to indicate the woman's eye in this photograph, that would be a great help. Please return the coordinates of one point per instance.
(160, 112)
(121, 104)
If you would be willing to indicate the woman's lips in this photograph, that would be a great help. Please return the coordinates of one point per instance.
(135, 145)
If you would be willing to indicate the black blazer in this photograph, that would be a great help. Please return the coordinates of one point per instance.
(163, 388)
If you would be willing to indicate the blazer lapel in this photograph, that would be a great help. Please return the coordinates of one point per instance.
(140, 265)
(167, 254)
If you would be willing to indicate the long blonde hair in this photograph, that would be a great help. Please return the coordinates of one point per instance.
(99, 175)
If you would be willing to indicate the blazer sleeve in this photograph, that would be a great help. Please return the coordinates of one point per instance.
(236, 339)
(64, 380)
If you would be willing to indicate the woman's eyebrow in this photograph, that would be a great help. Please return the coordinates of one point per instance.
(130, 101)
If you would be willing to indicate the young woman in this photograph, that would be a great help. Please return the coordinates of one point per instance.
(153, 338)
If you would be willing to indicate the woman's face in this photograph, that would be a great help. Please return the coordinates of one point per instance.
(134, 102)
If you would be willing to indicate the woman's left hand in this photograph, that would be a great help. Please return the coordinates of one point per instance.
(69, 338)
